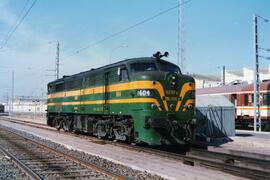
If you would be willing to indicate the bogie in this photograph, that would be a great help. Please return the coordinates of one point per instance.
(115, 128)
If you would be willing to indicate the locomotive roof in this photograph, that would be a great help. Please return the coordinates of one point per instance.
(119, 63)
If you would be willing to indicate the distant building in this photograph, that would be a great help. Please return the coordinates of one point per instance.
(244, 75)
(205, 81)
(23, 104)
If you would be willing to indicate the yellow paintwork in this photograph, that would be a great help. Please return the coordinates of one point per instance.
(122, 87)
(113, 101)
(186, 87)
(116, 87)
(190, 101)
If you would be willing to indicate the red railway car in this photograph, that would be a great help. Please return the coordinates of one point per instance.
(241, 95)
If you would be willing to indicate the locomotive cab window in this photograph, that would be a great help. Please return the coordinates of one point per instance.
(59, 87)
(139, 67)
(168, 67)
(123, 75)
(50, 88)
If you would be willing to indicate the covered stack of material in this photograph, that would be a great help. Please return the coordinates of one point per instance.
(215, 116)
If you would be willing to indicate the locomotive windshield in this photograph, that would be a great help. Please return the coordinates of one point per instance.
(152, 66)
(168, 67)
(139, 66)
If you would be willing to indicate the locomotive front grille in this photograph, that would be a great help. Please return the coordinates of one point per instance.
(171, 116)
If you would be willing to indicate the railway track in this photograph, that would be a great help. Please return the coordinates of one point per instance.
(9, 168)
(242, 166)
(240, 161)
(38, 161)
(22, 167)
(238, 165)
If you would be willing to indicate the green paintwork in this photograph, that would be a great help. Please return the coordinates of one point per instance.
(138, 111)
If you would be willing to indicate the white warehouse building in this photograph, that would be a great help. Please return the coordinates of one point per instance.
(246, 75)
(231, 76)
(27, 104)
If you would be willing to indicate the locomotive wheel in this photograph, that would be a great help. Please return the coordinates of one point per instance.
(58, 124)
(100, 131)
(66, 125)
(120, 132)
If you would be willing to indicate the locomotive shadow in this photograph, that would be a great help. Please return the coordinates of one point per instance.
(243, 134)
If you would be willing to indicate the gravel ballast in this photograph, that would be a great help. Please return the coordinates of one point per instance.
(111, 166)
(8, 170)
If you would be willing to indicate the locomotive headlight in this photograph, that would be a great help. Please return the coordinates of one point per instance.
(144, 92)
(153, 106)
(190, 107)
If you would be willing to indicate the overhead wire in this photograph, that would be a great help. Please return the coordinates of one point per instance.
(11, 32)
(125, 29)
(120, 32)
(19, 16)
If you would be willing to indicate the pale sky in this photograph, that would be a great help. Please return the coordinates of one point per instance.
(216, 33)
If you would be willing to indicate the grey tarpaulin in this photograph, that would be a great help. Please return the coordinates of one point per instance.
(215, 116)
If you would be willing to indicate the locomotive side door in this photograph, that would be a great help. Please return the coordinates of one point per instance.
(77, 86)
(82, 92)
(112, 78)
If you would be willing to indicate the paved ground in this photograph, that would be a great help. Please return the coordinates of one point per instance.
(168, 168)
(39, 118)
(247, 143)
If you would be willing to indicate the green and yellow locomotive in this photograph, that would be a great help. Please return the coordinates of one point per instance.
(137, 100)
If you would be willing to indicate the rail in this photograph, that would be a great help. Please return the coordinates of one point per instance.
(48, 150)
(31, 174)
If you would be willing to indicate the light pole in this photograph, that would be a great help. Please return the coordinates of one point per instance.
(12, 92)
(35, 101)
(113, 50)
(256, 81)
(222, 74)
(57, 60)
(56, 70)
